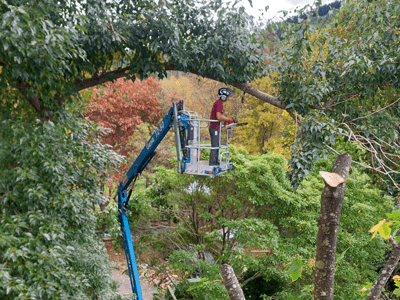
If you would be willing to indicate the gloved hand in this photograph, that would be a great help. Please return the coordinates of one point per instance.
(232, 120)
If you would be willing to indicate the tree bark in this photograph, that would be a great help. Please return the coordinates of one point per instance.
(231, 283)
(385, 273)
(248, 89)
(331, 206)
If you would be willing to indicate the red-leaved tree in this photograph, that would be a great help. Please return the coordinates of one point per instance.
(121, 106)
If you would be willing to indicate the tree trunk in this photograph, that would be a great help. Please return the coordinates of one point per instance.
(231, 283)
(331, 206)
(385, 273)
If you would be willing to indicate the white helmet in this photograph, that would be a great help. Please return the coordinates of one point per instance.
(223, 93)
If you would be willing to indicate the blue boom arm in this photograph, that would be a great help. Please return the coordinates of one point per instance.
(123, 198)
(148, 151)
(186, 138)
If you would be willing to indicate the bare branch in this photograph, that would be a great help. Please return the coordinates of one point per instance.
(374, 147)
(333, 99)
(256, 275)
(363, 117)
(111, 28)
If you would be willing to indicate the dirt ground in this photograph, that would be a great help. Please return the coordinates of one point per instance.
(125, 285)
(118, 259)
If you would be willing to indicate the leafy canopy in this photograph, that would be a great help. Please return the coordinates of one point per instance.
(49, 185)
(50, 49)
(343, 80)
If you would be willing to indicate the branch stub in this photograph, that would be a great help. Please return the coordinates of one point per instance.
(331, 179)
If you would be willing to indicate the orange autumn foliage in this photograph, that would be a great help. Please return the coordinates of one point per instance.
(121, 106)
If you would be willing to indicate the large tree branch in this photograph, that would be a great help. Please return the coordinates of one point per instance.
(245, 87)
(34, 101)
(122, 72)
(104, 77)
(248, 89)
(100, 79)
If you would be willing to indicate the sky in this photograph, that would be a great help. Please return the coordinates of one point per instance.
(275, 6)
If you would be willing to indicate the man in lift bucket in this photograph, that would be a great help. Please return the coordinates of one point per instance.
(217, 114)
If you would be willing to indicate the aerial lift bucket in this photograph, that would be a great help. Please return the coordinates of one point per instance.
(189, 137)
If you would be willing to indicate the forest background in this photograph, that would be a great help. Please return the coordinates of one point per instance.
(58, 176)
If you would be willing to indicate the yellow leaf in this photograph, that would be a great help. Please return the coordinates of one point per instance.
(385, 230)
(376, 227)
(396, 278)
(382, 228)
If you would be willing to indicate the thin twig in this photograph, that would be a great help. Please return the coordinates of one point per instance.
(363, 117)
(256, 275)
(385, 295)
(387, 171)
(111, 28)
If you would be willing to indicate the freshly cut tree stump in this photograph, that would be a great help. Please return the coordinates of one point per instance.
(331, 206)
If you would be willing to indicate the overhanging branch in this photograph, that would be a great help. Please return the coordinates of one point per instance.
(100, 79)
(246, 88)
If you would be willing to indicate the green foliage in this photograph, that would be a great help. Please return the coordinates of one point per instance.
(396, 279)
(317, 131)
(343, 79)
(206, 283)
(254, 207)
(13, 104)
(295, 269)
(49, 187)
(49, 47)
(39, 46)
(107, 219)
